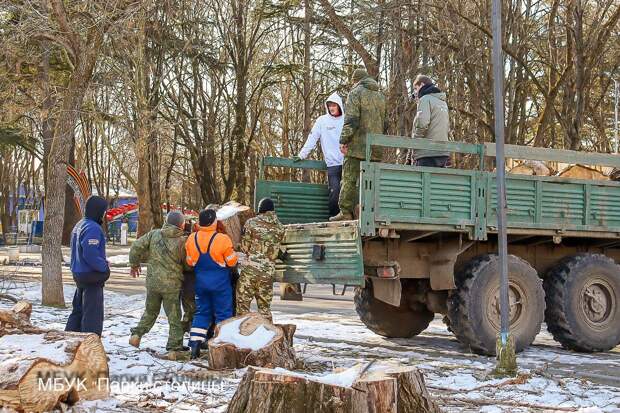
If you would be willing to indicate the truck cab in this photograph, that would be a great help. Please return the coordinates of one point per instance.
(425, 238)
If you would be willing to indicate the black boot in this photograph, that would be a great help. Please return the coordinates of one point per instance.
(194, 346)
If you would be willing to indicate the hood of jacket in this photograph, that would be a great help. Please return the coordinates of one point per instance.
(369, 83)
(431, 90)
(335, 98)
(95, 208)
(171, 231)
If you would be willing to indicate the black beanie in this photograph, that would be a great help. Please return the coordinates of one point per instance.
(206, 217)
(265, 205)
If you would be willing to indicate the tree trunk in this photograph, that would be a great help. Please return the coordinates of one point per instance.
(41, 368)
(383, 389)
(273, 346)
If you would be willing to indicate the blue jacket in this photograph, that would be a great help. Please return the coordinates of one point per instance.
(88, 248)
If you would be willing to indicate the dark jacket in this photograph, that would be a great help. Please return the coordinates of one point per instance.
(88, 240)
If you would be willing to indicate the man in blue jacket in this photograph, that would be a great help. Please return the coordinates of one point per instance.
(90, 269)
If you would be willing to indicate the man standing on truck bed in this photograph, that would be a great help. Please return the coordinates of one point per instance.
(262, 236)
(432, 121)
(327, 128)
(365, 114)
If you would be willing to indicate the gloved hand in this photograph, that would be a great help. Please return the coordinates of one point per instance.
(296, 159)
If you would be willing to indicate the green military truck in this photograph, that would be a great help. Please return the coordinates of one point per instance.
(426, 238)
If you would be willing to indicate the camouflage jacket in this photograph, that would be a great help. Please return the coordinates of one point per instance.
(262, 236)
(365, 113)
(164, 252)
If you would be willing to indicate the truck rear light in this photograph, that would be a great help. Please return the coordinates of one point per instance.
(386, 272)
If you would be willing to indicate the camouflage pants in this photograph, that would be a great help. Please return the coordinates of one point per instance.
(188, 299)
(252, 284)
(349, 191)
(172, 308)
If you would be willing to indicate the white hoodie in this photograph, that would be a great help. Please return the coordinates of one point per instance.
(327, 128)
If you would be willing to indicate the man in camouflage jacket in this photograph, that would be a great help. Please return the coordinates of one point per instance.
(365, 113)
(164, 251)
(262, 236)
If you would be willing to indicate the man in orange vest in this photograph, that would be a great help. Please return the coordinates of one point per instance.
(212, 256)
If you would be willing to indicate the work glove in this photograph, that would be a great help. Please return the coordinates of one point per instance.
(296, 159)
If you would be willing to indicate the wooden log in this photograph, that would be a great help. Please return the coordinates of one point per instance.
(251, 340)
(16, 317)
(383, 389)
(583, 172)
(38, 371)
(531, 168)
(229, 218)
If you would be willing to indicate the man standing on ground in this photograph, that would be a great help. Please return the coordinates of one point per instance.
(327, 129)
(261, 240)
(365, 114)
(90, 269)
(164, 251)
(212, 256)
(432, 121)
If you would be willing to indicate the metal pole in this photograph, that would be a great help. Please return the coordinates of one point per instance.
(498, 83)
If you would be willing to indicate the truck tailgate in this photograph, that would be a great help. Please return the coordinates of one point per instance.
(322, 253)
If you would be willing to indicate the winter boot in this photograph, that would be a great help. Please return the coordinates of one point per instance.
(342, 216)
(194, 346)
(134, 340)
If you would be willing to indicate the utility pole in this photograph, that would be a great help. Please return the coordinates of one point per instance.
(506, 357)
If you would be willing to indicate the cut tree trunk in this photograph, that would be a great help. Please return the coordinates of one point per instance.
(251, 340)
(382, 389)
(40, 368)
(231, 218)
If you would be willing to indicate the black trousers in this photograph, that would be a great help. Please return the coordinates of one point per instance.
(334, 176)
(87, 313)
(434, 161)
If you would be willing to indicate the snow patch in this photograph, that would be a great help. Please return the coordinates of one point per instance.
(344, 378)
(229, 333)
(33, 345)
(118, 259)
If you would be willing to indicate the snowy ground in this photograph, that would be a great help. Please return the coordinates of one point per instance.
(550, 379)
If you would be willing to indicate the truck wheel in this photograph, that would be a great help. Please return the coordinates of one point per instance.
(387, 320)
(474, 310)
(583, 303)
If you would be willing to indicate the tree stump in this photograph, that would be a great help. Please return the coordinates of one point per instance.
(40, 368)
(251, 340)
(382, 389)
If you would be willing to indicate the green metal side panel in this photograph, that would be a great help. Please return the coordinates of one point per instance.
(296, 202)
(604, 207)
(424, 195)
(343, 262)
(558, 204)
(521, 197)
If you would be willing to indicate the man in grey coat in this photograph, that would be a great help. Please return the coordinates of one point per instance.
(432, 121)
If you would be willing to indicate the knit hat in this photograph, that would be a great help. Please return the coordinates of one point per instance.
(175, 218)
(265, 205)
(206, 217)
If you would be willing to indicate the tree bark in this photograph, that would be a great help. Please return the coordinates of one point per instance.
(384, 389)
(278, 352)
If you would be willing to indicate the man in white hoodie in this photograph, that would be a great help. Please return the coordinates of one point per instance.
(327, 129)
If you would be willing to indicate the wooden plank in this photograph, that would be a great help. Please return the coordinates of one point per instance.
(558, 155)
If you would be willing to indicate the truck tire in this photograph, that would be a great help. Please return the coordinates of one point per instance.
(473, 308)
(387, 320)
(583, 303)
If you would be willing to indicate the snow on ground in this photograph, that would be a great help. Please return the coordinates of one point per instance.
(459, 381)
